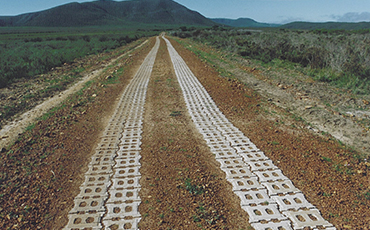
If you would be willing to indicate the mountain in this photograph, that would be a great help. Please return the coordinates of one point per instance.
(107, 12)
(242, 22)
(327, 25)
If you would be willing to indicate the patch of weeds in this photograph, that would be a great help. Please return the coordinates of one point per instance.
(192, 188)
(30, 127)
(175, 113)
(327, 159)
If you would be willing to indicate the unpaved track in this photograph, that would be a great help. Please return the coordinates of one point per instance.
(110, 194)
(10, 132)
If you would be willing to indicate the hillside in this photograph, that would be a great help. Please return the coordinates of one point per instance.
(99, 13)
(327, 25)
(242, 22)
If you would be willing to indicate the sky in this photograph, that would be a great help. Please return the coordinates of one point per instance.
(269, 11)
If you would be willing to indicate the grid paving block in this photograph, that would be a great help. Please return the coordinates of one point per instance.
(296, 201)
(127, 172)
(246, 148)
(306, 218)
(114, 139)
(127, 162)
(112, 129)
(130, 224)
(263, 213)
(96, 180)
(93, 191)
(254, 197)
(124, 196)
(130, 147)
(216, 140)
(125, 183)
(231, 162)
(232, 173)
(223, 146)
(280, 187)
(132, 133)
(107, 145)
(131, 141)
(326, 228)
(282, 225)
(238, 141)
(225, 126)
(112, 133)
(104, 152)
(85, 221)
(262, 165)
(208, 130)
(212, 135)
(128, 154)
(256, 156)
(88, 204)
(244, 184)
(99, 169)
(230, 130)
(102, 160)
(123, 210)
(226, 153)
(275, 175)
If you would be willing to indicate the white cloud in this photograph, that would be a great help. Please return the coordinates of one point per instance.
(352, 17)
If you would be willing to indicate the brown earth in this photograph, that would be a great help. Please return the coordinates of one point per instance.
(182, 186)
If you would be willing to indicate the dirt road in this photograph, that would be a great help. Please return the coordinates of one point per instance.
(174, 146)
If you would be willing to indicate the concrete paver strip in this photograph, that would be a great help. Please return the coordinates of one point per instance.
(265, 178)
(109, 195)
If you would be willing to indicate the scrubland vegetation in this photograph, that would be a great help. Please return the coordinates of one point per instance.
(341, 57)
(25, 54)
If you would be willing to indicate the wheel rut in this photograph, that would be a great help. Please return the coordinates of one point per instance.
(114, 188)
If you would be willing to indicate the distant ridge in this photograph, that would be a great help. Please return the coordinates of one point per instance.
(242, 22)
(107, 12)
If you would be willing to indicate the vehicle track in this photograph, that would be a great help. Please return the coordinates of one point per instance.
(265, 193)
(109, 196)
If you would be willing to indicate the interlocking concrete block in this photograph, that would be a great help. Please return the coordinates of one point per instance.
(246, 148)
(253, 156)
(280, 187)
(275, 175)
(125, 183)
(292, 202)
(263, 213)
(130, 147)
(122, 210)
(128, 154)
(127, 162)
(105, 152)
(96, 180)
(231, 162)
(130, 142)
(223, 146)
(306, 218)
(262, 165)
(99, 169)
(232, 173)
(282, 225)
(254, 197)
(123, 196)
(126, 172)
(90, 204)
(107, 145)
(102, 160)
(244, 184)
(230, 130)
(85, 221)
(93, 191)
(238, 141)
(225, 153)
(217, 140)
(132, 224)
